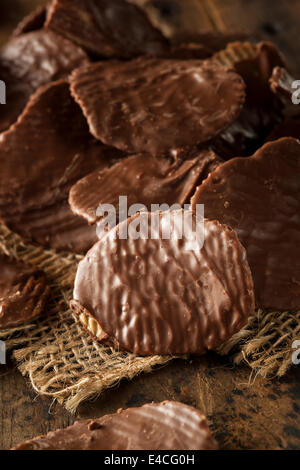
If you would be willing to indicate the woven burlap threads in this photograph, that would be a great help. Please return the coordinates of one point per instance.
(64, 363)
(266, 344)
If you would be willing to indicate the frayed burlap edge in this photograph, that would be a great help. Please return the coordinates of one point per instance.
(64, 363)
(267, 343)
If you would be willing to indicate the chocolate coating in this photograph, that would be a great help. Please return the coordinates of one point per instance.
(41, 158)
(262, 109)
(163, 426)
(31, 60)
(32, 22)
(166, 296)
(23, 292)
(106, 28)
(156, 106)
(143, 179)
(259, 198)
(281, 83)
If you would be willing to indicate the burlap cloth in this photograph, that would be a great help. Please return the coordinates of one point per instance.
(63, 362)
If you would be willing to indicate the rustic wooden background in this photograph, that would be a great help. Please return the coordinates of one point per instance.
(245, 412)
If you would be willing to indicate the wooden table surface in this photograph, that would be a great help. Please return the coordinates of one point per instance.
(245, 412)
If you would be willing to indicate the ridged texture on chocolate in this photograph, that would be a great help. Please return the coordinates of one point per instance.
(166, 296)
(106, 28)
(262, 109)
(144, 180)
(41, 157)
(259, 198)
(31, 60)
(156, 106)
(32, 22)
(23, 292)
(163, 426)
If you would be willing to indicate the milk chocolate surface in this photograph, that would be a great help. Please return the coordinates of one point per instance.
(31, 60)
(32, 22)
(168, 294)
(23, 292)
(156, 106)
(144, 180)
(259, 198)
(163, 426)
(106, 28)
(262, 109)
(41, 158)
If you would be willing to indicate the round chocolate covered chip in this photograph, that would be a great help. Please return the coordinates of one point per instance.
(156, 285)
(259, 197)
(41, 157)
(31, 60)
(157, 106)
(143, 179)
(162, 426)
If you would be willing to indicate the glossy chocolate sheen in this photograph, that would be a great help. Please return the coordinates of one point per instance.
(32, 22)
(259, 197)
(163, 295)
(144, 180)
(281, 83)
(31, 60)
(23, 292)
(163, 426)
(262, 109)
(106, 28)
(157, 106)
(41, 157)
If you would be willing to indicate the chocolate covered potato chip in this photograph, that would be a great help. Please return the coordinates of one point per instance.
(106, 28)
(156, 426)
(23, 292)
(41, 157)
(143, 179)
(259, 197)
(31, 60)
(262, 109)
(157, 106)
(169, 290)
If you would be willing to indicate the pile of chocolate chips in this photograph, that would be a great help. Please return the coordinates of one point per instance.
(100, 104)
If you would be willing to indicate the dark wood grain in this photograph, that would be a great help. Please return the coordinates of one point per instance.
(244, 411)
